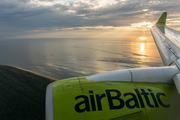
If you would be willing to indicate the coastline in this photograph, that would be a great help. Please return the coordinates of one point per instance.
(32, 72)
(22, 94)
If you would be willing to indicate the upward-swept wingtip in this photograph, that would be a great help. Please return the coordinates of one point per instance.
(162, 19)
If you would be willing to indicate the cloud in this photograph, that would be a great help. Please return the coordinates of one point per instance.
(19, 16)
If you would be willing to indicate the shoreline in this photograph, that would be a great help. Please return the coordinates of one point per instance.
(31, 72)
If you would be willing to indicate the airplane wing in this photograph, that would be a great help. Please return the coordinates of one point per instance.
(168, 43)
(131, 94)
(167, 40)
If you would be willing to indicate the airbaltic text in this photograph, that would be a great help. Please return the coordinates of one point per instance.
(89, 104)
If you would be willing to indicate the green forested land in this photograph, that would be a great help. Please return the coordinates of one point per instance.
(22, 94)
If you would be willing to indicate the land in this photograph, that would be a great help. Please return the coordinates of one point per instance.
(22, 94)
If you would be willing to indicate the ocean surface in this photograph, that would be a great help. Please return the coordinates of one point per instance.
(69, 57)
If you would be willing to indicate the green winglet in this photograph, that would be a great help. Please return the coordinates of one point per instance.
(162, 19)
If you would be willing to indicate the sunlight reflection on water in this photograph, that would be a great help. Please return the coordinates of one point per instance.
(63, 58)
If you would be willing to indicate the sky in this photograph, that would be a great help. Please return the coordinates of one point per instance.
(73, 18)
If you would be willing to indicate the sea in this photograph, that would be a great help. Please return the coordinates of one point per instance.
(62, 58)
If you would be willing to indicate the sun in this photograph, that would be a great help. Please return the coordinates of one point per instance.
(142, 38)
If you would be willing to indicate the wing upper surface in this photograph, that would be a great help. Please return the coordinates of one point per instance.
(166, 50)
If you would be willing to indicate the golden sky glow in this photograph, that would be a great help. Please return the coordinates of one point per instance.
(142, 25)
(91, 31)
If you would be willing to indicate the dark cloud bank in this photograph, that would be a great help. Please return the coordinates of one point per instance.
(19, 16)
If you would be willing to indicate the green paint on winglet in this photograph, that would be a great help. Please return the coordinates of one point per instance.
(162, 19)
